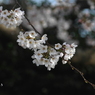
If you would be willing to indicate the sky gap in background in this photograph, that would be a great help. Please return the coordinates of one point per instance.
(53, 2)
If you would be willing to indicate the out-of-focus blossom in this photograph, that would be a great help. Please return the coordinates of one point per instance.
(67, 3)
(87, 20)
(91, 3)
(89, 25)
(90, 41)
(11, 18)
(41, 18)
(62, 24)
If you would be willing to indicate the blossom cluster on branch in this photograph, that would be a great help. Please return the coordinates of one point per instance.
(11, 18)
(45, 54)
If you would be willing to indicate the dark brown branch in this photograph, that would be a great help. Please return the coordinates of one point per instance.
(32, 25)
(82, 75)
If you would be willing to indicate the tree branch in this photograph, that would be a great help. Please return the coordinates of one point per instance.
(82, 75)
(27, 18)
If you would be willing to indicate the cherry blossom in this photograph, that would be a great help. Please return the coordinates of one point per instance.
(43, 53)
(11, 18)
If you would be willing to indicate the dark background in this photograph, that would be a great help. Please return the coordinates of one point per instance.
(20, 76)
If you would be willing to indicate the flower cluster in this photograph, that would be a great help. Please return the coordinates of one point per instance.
(11, 18)
(87, 20)
(69, 51)
(45, 54)
(28, 40)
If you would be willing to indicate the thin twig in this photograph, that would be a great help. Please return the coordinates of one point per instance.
(82, 75)
(14, 6)
(32, 25)
(27, 18)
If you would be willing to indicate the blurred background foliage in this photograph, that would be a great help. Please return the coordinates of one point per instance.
(20, 76)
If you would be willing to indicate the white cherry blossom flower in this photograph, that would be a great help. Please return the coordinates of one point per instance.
(54, 59)
(4, 13)
(61, 54)
(31, 42)
(43, 48)
(73, 45)
(66, 57)
(38, 55)
(11, 18)
(47, 62)
(58, 46)
(42, 61)
(32, 34)
(52, 51)
(64, 62)
(36, 44)
(35, 61)
(44, 38)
